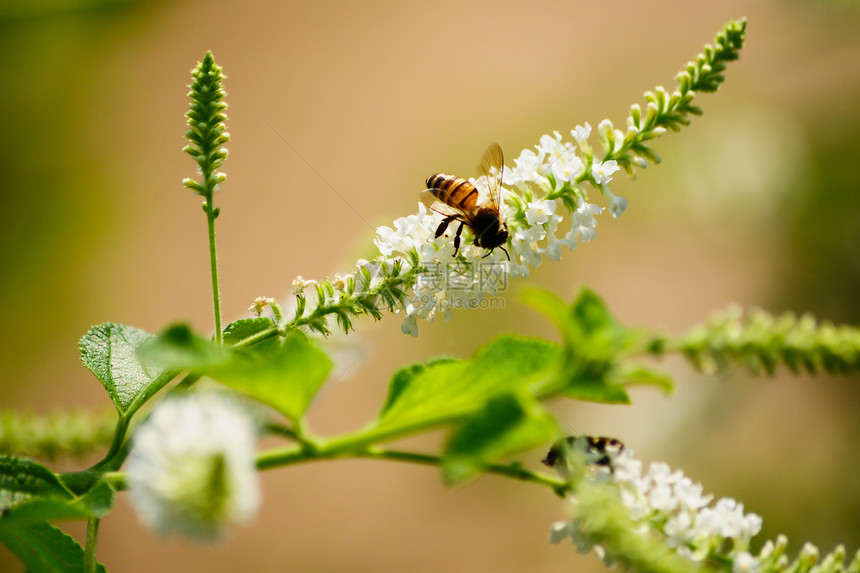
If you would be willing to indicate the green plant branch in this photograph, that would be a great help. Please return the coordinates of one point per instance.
(343, 446)
(760, 342)
(350, 298)
(295, 455)
(90, 562)
(354, 296)
(213, 266)
(207, 134)
(116, 453)
(282, 457)
(665, 111)
(116, 444)
(75, 433)
(513, 470)
(115, 479)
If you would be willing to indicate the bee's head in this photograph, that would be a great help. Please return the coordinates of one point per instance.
(490, 231)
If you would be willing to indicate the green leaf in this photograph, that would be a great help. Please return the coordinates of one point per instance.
(180, 348)
(589, 328)
(110, 352)
(43, 548)
(20, 479)
(446, 390)
(547, 303)
(98, 501)
(596, 391)
(39, 510)
(506, 425)
(641, 375)
(284, 373)
(285, 376)
(245, 328)
(31, 493)
(594, 346)
(402, 378)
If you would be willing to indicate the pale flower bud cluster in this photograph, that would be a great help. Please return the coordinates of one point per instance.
(665, 501)
(192, 469)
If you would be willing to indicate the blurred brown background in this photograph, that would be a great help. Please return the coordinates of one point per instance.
(755, 203)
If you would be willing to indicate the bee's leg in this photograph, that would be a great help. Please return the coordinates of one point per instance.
(490, 252)
(443, 225)
(457, 238)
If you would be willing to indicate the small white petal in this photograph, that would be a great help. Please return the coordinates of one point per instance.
(744, 563)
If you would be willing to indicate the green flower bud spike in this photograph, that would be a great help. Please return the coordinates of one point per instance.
(207, 134)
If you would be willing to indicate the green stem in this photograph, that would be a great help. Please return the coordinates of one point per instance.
(258, 337)
(90, 562)
(289, 456)
(513, 471)
(116, 444)
(112, 458)
(366, 439)
(211, 214)
(115, 479)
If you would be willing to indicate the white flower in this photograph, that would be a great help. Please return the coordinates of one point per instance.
(584, 222)
(617, 204)
(559, 158)
(662, 475)
(751, 526)
(690, 494)
(554, 245)
(603, 171)
(678, 528)
(663, 501)
(191, 468)
(551, 145)
(540, 212)
(410, 324)
(260, 303)
(581, 134)
(566, 170)
(340, 282)
(525, 170)
(409, 232)
(662, 498)
(543, 184)
(300, 284)
(524, 244)
(744, 563)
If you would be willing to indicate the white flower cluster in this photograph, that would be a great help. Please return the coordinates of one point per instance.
(447, 283)
(542, 186)
(667, 501)
(191, 468)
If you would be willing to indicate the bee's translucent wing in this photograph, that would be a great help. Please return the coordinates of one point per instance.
(434, 204)
(490, 169)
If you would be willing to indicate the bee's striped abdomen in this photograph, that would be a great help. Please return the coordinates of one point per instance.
(453, 191)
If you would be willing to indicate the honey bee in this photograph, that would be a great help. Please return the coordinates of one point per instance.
(457, 200)
(599, 451)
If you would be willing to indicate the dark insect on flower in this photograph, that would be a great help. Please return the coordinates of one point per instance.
(457, 200)
(598, 450)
